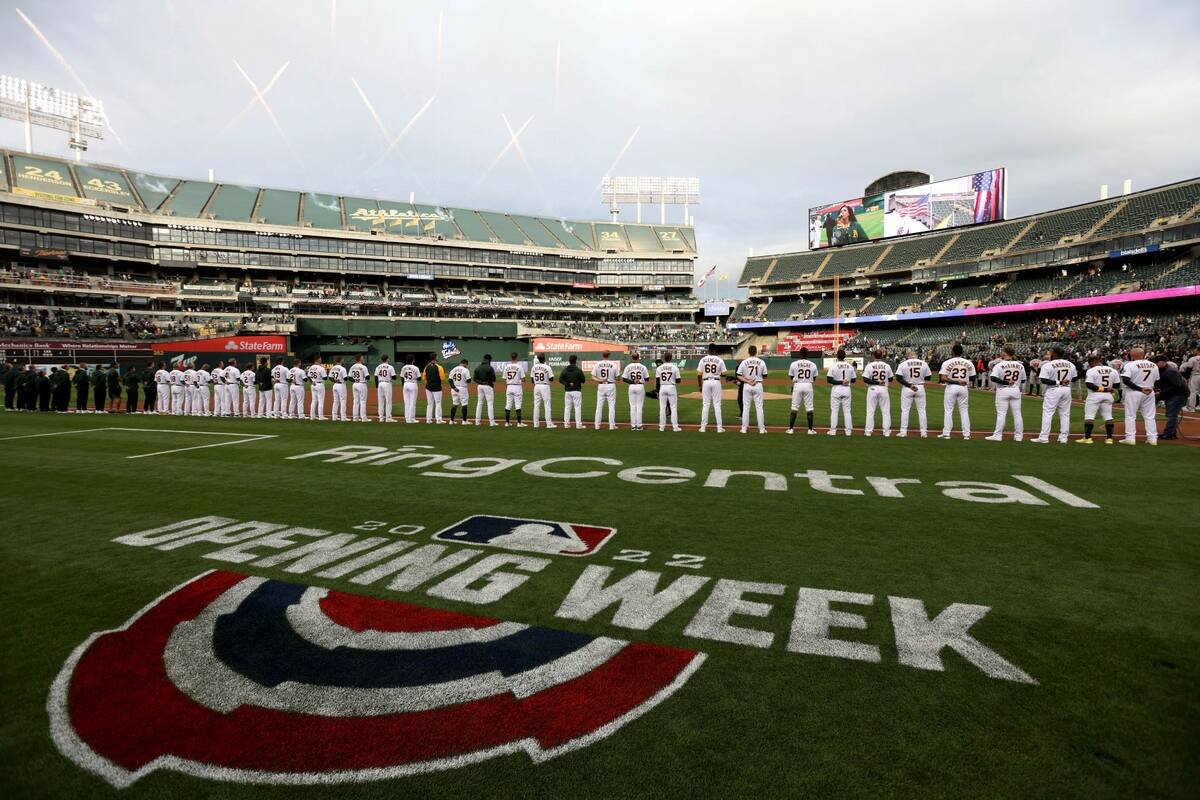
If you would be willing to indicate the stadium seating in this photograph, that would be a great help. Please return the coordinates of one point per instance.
(848, 260)
(787, 309)
(907, 252)
(793, 267)
(1048, 230)
(1143, 209)
(974, 242)
(891, 302)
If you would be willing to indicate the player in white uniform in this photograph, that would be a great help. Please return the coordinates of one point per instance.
(189, 391)
(162, 385)
(803, 372)
(279, 384)
(1056, 374)
(359, 378)
(337, 376)
(385, 373)
(911, 373)
(1139, 376)
(668, 377)
(217, 377)
(840, 375)
(956, 373)
(249, 391)
(202, 378)
(1101, 381)
(410, 377)
(317, 374)
(750, 374)
(514, 389)
(296, 378)
(635, 376)
(460, 393)
(605, 373)
(1191, 371)
(877, 375)
(542, 376)
(1008, 376)
(485, 390)
(708, 378)
(178, 390)
(233, 385)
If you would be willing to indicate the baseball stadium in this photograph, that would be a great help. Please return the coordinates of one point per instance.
(322, 489)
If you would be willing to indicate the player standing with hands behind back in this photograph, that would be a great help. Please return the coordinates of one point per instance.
(605, 373)
(1101, 380)
(802, 372)
(840, 375)
(750, 375)
(668, 377)
(359, 375)
(1008, 375)
(956, 373)
(1139, 376)
(636, 376)
(877, 375)
(708, 377)
(542, 376)
(385, 373)
(1056, 374)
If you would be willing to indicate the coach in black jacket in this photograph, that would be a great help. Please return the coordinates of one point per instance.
(1172, 390)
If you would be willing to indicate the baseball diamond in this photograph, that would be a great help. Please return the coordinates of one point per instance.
(375, 425)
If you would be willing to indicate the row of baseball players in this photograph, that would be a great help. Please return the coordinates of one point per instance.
(279, 392)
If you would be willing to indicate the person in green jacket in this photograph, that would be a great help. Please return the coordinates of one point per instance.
(80, 381)
(60, 389)
(485, 381)
(847, 229)
(572, 379)
(114, 387)
(99, 388)
(133, 378)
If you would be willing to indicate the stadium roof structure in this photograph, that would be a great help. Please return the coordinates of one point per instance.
(1029, 240)
(106, 187)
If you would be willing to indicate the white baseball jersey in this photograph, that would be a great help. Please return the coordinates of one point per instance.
(513, 373)
(667, 374)
(1010, 373)
(1142, 374)
(957, 369)
(1103, 376)
(914, 370)
(279, 373)
(176, 376)
(189, 377)
(879, 372)
(162, 376)
(385, 372)
(359, 373)
(247, 378)
(409, 373)
(203, 377)
(636, 372)
(1191, 367)
(605, 371)
(317, 374)
(803, 371)
(459, 377)
(217, 376)
(232, 374)
(1061, 371)
(710, 368)
(842, 372)
(753, 369)
(337, 373)
(542, 374)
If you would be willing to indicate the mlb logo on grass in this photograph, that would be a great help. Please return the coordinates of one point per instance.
(528, 535)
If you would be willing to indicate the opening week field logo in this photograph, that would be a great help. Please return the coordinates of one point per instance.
(249, 679)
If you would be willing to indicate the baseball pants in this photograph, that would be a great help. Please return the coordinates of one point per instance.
(879, 398)
(338, 411)
(249, 401)
(573, 401)
(296, 402)
(1056, 401)
(710, 396)
(281, 401)
(802, 396)
(909, 398)
(668, 397)
(606, 394)
(384, 399)
(839, 401)
(1008, 399)
(316, 402)
(956, 397)
(637, 404)
(1140, 405)
(752, 395)
(409, 391)
(485, 396)
(433, 406)
(360, 402)
(541, 401)
(234, 402)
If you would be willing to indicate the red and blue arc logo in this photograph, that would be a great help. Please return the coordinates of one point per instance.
(248, 679)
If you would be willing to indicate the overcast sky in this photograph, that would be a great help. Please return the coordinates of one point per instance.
(775, 106)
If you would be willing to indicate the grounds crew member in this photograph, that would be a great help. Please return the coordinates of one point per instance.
(434, 375)
(99, 384)
(10, 385)
(572, 378)
(485, 379)
(60, 389)
(114, 387)
(81, 382)
(133, 378)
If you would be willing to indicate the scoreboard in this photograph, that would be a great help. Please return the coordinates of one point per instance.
(39, 351)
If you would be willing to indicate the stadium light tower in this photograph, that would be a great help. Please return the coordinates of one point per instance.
(663, 191)
(34, 104)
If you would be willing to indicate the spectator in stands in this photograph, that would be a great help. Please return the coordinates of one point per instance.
(1173, 392)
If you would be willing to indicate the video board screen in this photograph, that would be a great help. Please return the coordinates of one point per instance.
(968, 200)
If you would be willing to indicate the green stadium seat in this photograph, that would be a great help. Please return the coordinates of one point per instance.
(153, 189)
(109, 185)
(278, 207)
(322, 211)
(189, 198)
(234, 203)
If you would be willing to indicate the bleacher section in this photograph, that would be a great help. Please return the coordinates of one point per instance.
(106, 186)
(848, 260)
(1050, 229)
(786, 309)
(793, 268)
(1144, 209)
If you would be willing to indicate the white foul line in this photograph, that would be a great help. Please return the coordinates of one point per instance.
(244, 437)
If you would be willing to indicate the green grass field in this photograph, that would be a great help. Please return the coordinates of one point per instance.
(1082, 682)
